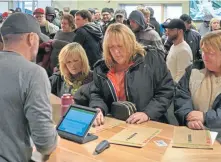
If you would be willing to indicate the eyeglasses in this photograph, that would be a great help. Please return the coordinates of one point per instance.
(39, 16)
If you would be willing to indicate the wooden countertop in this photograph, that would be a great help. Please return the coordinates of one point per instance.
(68, 151)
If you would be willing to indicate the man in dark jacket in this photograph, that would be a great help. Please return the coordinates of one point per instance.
(144, 33)
(89, 35)
(106, 18)
(153, 21)
(192, 37)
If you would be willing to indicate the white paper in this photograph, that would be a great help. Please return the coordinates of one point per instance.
(213, 136)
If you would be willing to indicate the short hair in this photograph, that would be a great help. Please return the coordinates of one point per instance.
(211, 41)
(127, 37)
(70, 20)
(85, 14)
(66, 9)
(145, 11)
(12, 38)
(67, 52)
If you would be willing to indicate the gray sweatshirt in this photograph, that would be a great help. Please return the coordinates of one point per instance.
(25, 109)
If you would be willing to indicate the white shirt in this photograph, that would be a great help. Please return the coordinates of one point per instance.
(178, 59)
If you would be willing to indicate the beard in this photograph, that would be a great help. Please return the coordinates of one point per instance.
(172, 38)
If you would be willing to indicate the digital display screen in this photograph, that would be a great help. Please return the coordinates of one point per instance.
(76, 121)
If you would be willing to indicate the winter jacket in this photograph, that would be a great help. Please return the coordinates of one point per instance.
(90, 37)
(43, 56)
(55, 20)
(148, 84)
(156, 24)
(149, 36)
(60, 40)
(59, 87)
(183, 103)
(49, 29)
(104, 26)
(145, 35)
(193, 38)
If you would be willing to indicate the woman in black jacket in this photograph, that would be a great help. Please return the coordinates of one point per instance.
(198, 95)
(74, 70)
(128, 73)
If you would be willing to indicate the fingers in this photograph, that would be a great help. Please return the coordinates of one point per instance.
(99, 119)
(95, 124)
(200, 124)
(189, 117)
(195, 125)
(137, 118)
(134, 120)
(130, 119)
(140, 121)
(102, 118)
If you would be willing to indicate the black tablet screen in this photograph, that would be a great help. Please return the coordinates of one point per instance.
(76, 121)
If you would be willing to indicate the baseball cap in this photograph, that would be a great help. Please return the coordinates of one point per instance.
(120, 12)
(39, 10)
(105, 10)
(5, 15)
(92, 11)
(19, 23)
(186, 18)
(175, 23)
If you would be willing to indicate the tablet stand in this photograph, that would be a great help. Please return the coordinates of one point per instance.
(89, 137)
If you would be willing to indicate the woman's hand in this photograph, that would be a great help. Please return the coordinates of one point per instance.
(198, 125)
(99, 119)
(137, 118)
(195, 115)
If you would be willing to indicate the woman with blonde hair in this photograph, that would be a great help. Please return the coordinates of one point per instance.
(129, 73)
(146, 13)
(214, 24)
(74, 70)
(198, 95)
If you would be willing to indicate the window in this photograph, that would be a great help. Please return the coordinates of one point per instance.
(129, 8)
(161, 11)
(28, 5)
(157, 12)
(170, 10)
(3, 7)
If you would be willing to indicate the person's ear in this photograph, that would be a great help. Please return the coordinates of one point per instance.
(32, 38)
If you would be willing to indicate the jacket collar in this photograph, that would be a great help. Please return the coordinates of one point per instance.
(102, 68)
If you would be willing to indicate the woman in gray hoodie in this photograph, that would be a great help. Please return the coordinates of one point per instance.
(62, 37)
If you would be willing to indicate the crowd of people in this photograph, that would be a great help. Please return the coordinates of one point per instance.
(100, 58)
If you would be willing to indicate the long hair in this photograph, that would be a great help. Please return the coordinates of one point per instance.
(124, 34)
(67, 53)
(211, 22)
(70, 20)
(211, 41)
